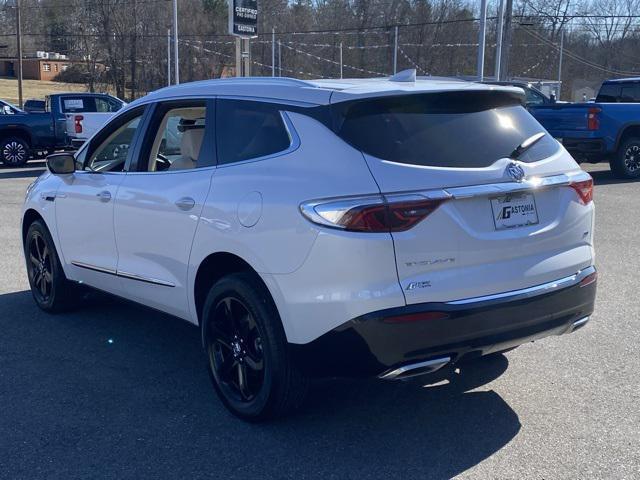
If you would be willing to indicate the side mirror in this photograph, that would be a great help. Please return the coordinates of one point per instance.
(61, 163)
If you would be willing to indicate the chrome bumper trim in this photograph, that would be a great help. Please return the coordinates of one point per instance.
(530, 291)
(529, 184)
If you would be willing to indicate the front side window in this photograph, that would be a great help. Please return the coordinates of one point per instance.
(246, 130)
(451, 129)
(111, 154)
(179, 138)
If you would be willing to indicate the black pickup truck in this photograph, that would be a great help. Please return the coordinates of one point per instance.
(23, 134)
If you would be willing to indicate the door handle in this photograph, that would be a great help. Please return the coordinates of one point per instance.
(185, 203)
(104, 196)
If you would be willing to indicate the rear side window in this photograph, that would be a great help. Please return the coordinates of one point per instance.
(247, 130)
(609, 93)
(453, 129)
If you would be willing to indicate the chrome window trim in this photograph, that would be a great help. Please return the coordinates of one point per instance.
(542, 289)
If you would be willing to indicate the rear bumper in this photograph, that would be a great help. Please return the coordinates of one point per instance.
(382, 342)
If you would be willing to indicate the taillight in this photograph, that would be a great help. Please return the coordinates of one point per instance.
(393, 213)
(78, 123)
(584, 189)
(593, 120)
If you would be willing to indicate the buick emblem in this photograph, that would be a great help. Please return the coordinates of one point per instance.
(515, 171)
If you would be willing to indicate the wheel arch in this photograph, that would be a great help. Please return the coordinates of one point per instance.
(20, 132)
(30, 216)
(213, 268)
(628, 131)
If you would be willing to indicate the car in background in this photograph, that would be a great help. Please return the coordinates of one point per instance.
(7, 108)
(66, 122)
(385, 228)
(607, 129)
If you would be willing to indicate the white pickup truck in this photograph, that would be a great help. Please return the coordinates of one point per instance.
(85, 113)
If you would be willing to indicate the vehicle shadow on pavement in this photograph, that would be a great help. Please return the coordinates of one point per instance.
(114, 390)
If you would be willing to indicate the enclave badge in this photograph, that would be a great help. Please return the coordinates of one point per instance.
(515, 171)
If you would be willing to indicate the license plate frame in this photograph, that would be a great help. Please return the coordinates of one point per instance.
(524, 215)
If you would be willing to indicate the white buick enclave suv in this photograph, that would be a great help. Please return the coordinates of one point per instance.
(322, 228)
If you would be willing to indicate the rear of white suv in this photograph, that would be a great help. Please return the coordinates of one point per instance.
(352, 228)
(490, 221)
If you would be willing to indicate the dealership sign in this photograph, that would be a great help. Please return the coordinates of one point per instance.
(243, 18)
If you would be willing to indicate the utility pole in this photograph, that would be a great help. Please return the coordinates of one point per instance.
(482, 32)
(168, 56)
(340, 59)
(506, 44)
(560, 64)
(175, 42)
(273, 52)
(395, 51)
(19, 49)
(279, 58)
(499, 35)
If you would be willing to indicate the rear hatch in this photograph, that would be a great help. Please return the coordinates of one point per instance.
(500, 219)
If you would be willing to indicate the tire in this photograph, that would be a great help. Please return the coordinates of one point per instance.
(14, 152)
(247, 352)
(626, 162)
(50, 288)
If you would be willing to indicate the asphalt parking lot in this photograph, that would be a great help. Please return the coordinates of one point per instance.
(117, 391)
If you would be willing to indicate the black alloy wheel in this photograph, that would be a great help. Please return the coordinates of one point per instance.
(626, 163)
(632, 158)
(49, 286)
(248, 357)
(39, 266)
(235, 350)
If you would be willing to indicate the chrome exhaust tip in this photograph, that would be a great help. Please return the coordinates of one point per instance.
(415, 369)
(578, 324)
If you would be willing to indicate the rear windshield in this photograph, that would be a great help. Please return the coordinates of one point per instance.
(453, 129)
(609, 93)
(87, 104)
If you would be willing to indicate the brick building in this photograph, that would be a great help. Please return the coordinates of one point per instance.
(34, 68)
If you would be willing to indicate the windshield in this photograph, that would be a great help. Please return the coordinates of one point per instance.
(452, 129)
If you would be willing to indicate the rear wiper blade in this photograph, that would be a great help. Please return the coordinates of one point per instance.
(526, 145)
